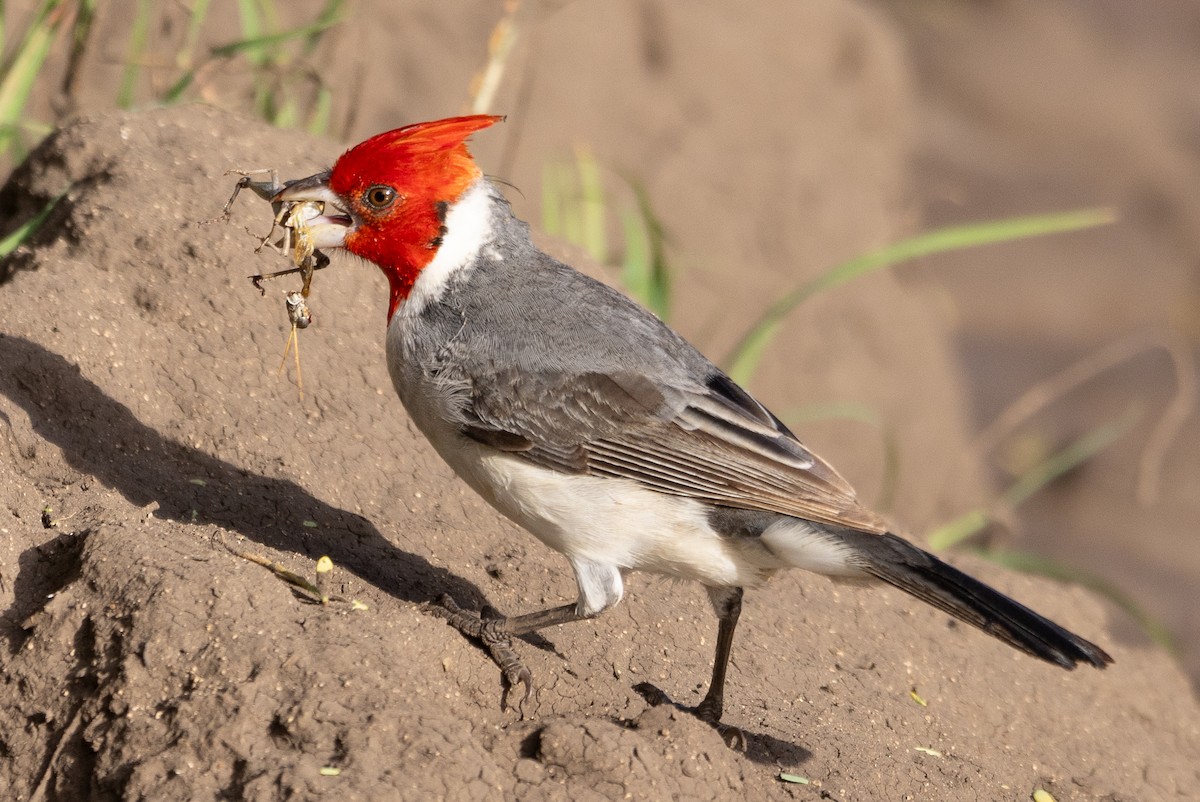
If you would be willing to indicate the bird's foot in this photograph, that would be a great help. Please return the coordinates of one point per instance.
(488, 627)
(733, 737)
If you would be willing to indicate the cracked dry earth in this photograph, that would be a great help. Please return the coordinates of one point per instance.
(140, 660)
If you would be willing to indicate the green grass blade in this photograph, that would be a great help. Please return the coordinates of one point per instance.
(570, 206)
(592, 206)
(1036, 478)
(658, 278)
(256, 47)
(1030, 563)
(1069, 458)
(26, 229)
(288, 112)
(252, 29)
(575, 208)
(264, 96)
(270, 14)
(322, 114)
(192, 35)
(962, 528)
(172, 95)
(635, 265)
(81, 31)
(744, 358)
(329, 16)
(22, 72)
(136, 54)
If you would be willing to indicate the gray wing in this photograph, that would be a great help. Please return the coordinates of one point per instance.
(712, 442)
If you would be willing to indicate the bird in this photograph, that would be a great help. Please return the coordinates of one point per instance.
(589, 422)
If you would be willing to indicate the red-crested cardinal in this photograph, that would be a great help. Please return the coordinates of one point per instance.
(589, 422)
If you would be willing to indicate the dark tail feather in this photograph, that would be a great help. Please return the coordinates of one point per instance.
(899, 563)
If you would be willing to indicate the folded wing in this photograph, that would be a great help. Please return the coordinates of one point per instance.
(712, 442)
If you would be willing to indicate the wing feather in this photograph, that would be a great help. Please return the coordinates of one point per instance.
(712, 442)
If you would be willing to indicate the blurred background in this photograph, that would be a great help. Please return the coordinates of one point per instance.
(1033, 106)
(716, 157)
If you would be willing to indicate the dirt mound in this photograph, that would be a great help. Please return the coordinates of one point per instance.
(143, 660)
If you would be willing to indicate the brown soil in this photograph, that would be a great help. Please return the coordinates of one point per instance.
(140, 403)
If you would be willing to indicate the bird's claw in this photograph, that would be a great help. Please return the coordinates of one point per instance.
(488, 628)
(733, 736)
(501, 649)
(513, 676)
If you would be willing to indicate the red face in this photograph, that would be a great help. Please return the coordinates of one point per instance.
(389, 195)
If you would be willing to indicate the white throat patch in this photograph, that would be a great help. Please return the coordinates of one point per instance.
(468, 229)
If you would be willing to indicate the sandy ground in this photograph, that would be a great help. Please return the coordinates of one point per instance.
(140, 403)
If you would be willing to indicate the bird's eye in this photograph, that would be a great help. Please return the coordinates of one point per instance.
(379, 197)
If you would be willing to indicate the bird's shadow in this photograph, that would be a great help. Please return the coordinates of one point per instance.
(759, 747)
(101, 437)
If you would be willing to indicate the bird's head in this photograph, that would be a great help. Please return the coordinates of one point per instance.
(387, 199)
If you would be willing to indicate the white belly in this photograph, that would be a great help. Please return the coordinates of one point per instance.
(613, 521)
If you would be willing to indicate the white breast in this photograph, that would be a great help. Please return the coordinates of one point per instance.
(468, 228)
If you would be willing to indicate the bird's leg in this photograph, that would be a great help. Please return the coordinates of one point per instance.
(496, 633)
(727, 602)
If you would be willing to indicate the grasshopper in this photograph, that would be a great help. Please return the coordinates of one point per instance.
(291, 219)
(295, 242)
